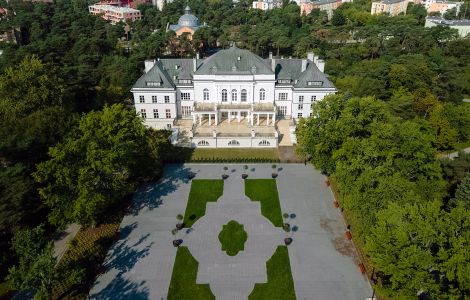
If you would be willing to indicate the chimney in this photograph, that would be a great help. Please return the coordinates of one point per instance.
(304, 64)
(149, 65)
(195, 64)
(310, 56)
(321, 65)
(273, 65)
(270, 55)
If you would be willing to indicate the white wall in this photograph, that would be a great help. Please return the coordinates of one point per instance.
(245, 142)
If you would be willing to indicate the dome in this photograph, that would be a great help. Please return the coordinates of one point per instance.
(188, 19)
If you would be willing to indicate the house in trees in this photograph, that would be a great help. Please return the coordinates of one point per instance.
(187, 23)
(391, 7)
(266, 4)
(306, 6)
(462, 26)
(233, 98)
(115, 14)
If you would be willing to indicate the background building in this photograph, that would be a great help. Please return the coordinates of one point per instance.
(266, 4)
(462, 26)
(115, 14)
(442, 6)
(187, 23)
(232, 98)
(391, 7)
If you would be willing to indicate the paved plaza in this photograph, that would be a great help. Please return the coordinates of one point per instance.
(323, 262)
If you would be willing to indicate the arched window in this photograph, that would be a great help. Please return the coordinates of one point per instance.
(243, 96)
(262, 95)
(234, 95)
(234, 143)
(203, 143)
(205, 94)
(264, 143)
(224, 95)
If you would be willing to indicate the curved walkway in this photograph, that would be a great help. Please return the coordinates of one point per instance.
(233, 277)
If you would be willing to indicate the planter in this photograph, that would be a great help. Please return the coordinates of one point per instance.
(288, 241)
(327, 182)
(179, 226)
(225, 176)
(286, 227)
(362, 268)
(274, 175)
(336, 204)
(244, 176)
(178, 242)
(348, 235)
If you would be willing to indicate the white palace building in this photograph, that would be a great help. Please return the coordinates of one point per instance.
(233, 98)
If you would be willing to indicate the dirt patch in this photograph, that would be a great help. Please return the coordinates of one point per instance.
(341, 244)
(326, 224)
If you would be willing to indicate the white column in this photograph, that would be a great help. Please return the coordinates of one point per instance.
(257, 119)
(267, 119)
(251, 118)
(200, 120)
(194, 117)
(229, 116)
(216, 118)
(210, 119)
(274, 119)
(238, 116)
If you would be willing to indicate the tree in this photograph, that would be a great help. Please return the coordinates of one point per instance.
(36, 267)
(94, 166)
(462, 193)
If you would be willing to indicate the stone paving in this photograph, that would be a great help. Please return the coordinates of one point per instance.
(233, 277)
(323, 262)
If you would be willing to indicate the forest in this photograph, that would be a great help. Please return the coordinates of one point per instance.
(65, 84)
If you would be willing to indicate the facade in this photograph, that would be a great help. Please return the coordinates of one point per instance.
(391, 7)
(442, 6)
(187, 23)
(115, 14)
(267, 4)
(462, 26)
(230, 99)
(306, 6)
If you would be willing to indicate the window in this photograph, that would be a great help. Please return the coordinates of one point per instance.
(314, 83)
(282, 96)
(203, 143)
(301, 99)
(152, 83)
(234, 95)
(142, 99)
(262, 95)
(264, 143)
(243, 96)
(185, 96)
(168, 126)
(168, 114)
(234, 143)
(184, 81)
(283, 81)
(167, 99)
(186, 110)
(301, 107)
(154, 99)
(282, 110)
(155, 113)
(143, 114)
(205, 94)
(314, 98)
(224, 95)
(299, 115)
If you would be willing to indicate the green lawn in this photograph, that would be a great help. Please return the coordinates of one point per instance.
(232, 154)
(183, 281)
(202, 191)
(233, 237)
(280, 284)
(265, 191)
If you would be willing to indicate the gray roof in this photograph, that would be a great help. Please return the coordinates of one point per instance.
(234, 61)
(442, 21)
(186, 20)
(237, 62)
